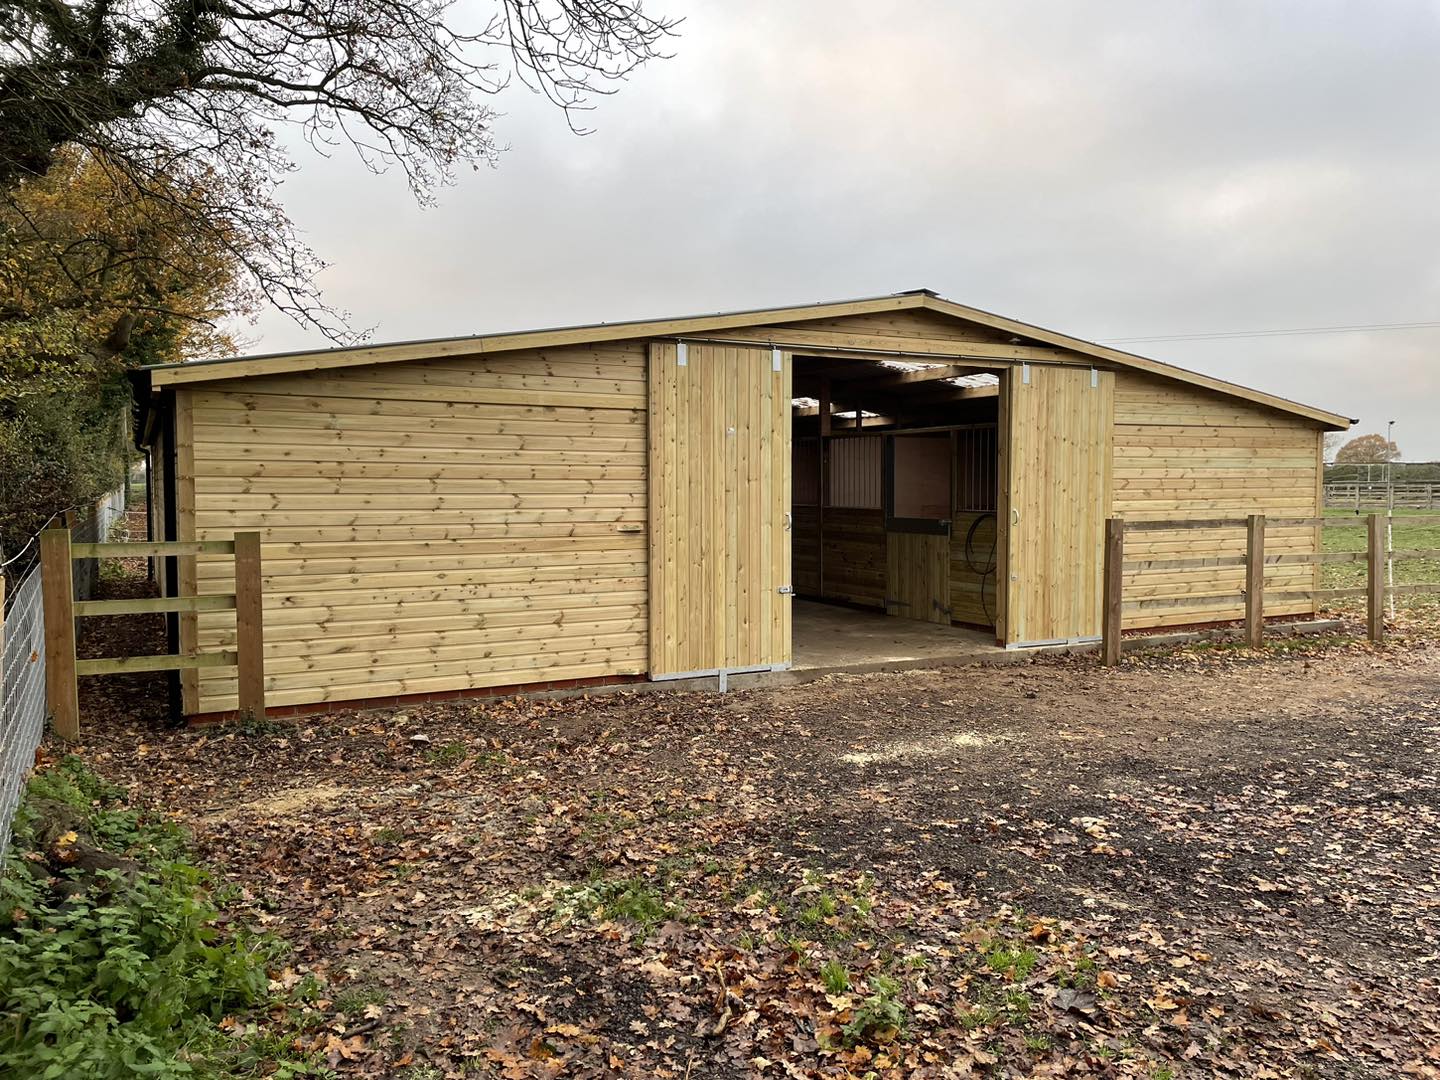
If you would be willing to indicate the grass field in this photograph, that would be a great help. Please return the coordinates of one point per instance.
(1414, 529)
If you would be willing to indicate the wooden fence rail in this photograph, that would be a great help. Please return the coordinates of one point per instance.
(1254, 561)
(57, 556)
(1370, 494)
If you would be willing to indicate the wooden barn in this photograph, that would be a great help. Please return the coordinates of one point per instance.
(684, 497)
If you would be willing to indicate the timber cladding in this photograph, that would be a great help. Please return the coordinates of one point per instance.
(502, 511)
(432, 526)
(1184, 452)
(974, 567)
(720, 502)
(854, 553)
(1057, 425)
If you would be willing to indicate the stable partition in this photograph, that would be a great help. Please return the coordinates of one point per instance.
(901, 522)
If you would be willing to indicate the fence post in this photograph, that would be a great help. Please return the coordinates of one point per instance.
(57, 589)
(1114, 593)
(1375, 579)
(249, 626)
(1255, 580)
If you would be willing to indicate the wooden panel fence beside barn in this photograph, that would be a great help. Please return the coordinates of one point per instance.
(1259, 594)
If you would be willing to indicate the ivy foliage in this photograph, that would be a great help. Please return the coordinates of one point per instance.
(57, 452)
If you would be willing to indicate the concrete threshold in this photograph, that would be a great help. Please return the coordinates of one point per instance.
(993, 657)
(966, 656)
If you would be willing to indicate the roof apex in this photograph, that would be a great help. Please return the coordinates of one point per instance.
(162, 375)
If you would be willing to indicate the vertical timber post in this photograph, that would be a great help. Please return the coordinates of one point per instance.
(824, 496)
(1114, 590)
(1255, 580)
(249, 627)
(1375, 579)
(57, 591)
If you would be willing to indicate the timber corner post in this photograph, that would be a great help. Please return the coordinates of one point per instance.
(57, 590)
(249, 627)
(1114, 582)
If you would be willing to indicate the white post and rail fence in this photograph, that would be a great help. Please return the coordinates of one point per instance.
(1255, 561)
(1370, 494)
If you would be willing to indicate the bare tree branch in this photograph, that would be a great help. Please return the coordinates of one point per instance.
(188, 95)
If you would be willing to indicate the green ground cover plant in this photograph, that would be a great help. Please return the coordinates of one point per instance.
(113, 960)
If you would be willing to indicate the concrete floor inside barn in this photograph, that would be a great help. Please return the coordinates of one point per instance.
(833, 637)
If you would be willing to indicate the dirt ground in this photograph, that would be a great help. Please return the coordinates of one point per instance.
(1201, 863)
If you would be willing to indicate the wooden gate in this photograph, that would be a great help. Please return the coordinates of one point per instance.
(720, 590)
(1055, 444)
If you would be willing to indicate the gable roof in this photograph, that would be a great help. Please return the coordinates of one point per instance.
(183, 374)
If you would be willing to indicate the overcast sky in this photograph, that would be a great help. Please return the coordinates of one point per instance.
(1108, 169)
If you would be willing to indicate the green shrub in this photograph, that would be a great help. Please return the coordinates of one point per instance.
(57, 451)
(115, 828)
(632, 899)
(114, 971)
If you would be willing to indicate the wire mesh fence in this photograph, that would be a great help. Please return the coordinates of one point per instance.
(22, 665)
(22, 696)
(93, 526)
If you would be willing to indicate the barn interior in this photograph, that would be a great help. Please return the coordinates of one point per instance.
(895, 483)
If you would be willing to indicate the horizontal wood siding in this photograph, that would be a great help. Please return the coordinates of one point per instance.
(854, 553)
(1184, 452)
(805, 551)
(437, 525)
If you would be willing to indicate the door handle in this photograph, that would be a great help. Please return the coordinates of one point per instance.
(787, 520)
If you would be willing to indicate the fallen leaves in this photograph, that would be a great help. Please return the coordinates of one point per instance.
(675, 885)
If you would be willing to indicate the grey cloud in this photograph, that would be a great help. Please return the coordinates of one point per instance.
(1110, 169)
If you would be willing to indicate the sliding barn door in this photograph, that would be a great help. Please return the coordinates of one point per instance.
(719, 509)
(1055, 442)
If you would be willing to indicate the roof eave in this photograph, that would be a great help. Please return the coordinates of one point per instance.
(243, 366)
(1324, 417)
(170, 375)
